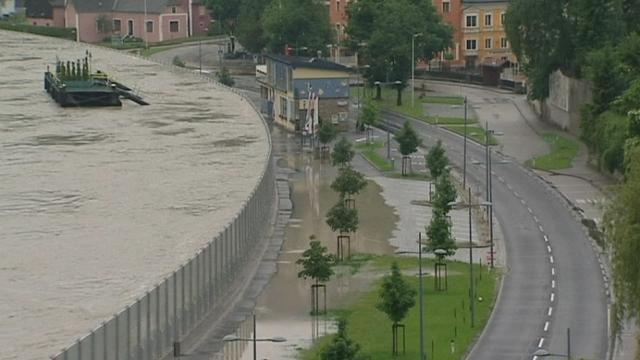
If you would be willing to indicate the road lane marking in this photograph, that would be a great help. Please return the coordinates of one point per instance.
(553, 271)
(549, 248)
(546, 239)
(540, 342)
(540, 227)
(529, 210)
(523, 202)
(553, 284)
(509, 187)
(551, 259)
(501, 179)
(535, 218)
(553, 296)
(516, 194)
(549, 311)
(546, 326)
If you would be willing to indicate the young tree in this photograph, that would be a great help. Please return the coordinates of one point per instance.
(316, 264)
(437, 160)
(343, 219)
(370, 116)
(409, 141)
(341, 346)
(349, 182)
(224, 77)
(388, 27)
(445, 194)
(297, 23)
(342, 153)
(396, 297)
(327, 133)
(439, 234)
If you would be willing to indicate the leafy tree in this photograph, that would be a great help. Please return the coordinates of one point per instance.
(343, 153)
(445, 194)
(316, 262)
(250, 28)
(608, 83)
(343, 219)
(327, 133)
(622, 229)
(297, 23)
(437, 160)
(349, 182)
(409, 141)
(224, 77)
(439, 234)
(387, 27)
(396, 297)
(370, 115)
(225, 11)
(540, 36)
(341, 346)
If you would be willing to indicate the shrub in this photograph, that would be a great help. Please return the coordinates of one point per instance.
(177, 61)
(65, 33)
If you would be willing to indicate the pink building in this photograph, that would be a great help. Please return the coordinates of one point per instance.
(98, 20)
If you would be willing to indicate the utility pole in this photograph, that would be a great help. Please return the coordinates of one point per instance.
(464, 160)
(472, 296)
(423, 355)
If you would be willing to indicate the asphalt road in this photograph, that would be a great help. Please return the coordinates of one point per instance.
(553, 280)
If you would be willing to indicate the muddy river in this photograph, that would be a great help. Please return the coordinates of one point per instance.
(98, 205)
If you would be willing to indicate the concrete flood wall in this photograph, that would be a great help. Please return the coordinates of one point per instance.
(566, 98)
(148, 328)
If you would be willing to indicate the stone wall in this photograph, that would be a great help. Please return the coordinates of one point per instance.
(566, 97)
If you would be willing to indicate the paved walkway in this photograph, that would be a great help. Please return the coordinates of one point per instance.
(581, 185)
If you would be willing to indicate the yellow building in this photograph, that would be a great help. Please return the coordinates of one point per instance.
(484, 38)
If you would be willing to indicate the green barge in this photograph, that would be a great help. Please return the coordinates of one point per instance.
(72, 84)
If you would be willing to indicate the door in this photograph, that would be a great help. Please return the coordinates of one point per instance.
(130, 27)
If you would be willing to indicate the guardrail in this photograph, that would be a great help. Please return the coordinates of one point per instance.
(148, 328)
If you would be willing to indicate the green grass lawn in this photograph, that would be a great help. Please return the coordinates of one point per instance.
(474, 132)
(445, 120)
(563, 151)
(371, 152)
(447, 100)
(446, 317)
(412, 176)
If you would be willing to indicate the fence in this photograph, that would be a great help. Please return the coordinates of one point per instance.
(148, 328)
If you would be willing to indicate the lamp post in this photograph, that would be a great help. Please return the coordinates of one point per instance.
(472, 296)
(232, 338)
(464, 156)
(413, 66)
(546, 353)
(423, 354)
(146, 41)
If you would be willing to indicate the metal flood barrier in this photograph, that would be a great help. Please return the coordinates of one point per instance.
(147, 329)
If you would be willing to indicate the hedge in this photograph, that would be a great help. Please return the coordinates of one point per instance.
(65, 33)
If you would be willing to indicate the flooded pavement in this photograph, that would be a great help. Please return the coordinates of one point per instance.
(283, 308)
(98, 205)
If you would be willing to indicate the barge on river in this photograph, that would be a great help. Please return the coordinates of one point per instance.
(73, 84)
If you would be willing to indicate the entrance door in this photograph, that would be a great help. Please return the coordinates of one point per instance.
(130, 27)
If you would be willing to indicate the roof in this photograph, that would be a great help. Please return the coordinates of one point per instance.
(39, 9)
(152, 6)
(308, 63)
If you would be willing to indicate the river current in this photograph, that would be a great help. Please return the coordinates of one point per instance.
(97, 205)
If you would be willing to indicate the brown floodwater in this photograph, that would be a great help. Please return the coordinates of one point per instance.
(98, 205)
(284, 306)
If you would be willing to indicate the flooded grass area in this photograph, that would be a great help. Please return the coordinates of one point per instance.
(446, 316)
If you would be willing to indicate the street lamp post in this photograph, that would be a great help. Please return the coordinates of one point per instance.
(254, 339)
(413, 66)
(464, 156)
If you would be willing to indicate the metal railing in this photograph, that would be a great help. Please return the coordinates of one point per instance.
(147, 329)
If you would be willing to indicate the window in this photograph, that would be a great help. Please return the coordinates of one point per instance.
(174, 26)
(504, 43)
(173, 10)
(502, 18)
(446, 7)
(283, 107)
(472, 20)
(201, 11)
(130, 27)
(488, 20)
(338, 6)
(488, 43)
(149, 26)
(117, 25)
(472, 44)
